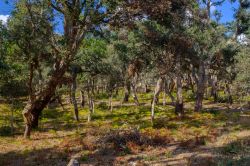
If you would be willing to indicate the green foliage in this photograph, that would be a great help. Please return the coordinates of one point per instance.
(242, 82)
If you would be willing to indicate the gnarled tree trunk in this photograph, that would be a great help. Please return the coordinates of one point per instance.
(33, 109)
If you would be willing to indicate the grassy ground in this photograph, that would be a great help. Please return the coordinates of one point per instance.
(219, 135)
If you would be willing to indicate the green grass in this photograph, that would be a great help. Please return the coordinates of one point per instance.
(59, 134)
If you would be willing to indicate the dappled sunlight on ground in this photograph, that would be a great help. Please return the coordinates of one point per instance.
(126, 135)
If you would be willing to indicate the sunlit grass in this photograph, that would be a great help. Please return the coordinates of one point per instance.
(59, 131)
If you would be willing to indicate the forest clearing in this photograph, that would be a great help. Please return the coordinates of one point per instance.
(124, 82)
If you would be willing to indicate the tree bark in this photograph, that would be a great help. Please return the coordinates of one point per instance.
(73, 96)
(134, 92)
(179, 101)
(91, 107)
(169, 90)
(90, 100)
(30, 82)
(191, 83)
(58, 97)
(157, 91)
(200, 87)
(31, 115)
(214, 91)
(126, 91)
(33, 109)
(229, 95)
(82, 98)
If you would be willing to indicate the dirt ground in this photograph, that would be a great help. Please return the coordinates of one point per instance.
(219, 135)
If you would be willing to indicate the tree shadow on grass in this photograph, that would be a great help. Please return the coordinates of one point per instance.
(235, 153)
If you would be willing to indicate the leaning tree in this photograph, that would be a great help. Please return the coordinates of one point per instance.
(79, 18)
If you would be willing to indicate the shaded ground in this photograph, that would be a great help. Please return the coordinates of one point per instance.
(218, 136)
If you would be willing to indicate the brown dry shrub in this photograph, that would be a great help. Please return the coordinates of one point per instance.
(133, 141)
(134, 148)
(87, 143)
(158, 137)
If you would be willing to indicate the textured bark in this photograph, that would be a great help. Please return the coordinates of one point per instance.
(214, 89)
(229, 95)
(179, 101)
(75, 29)
(58, 97)
(34, 108)
(191, 83)
(157, 91)
(200, 87)
(40, 79)
(73, 96)
(91, 107)
(126, 91)
(169, 89)
(195, 79)
(30, 82)
(82, 97)
(31, 115)
(134, 92)
(90, 100)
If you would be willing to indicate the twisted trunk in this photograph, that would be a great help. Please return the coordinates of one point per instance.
(33, 108)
